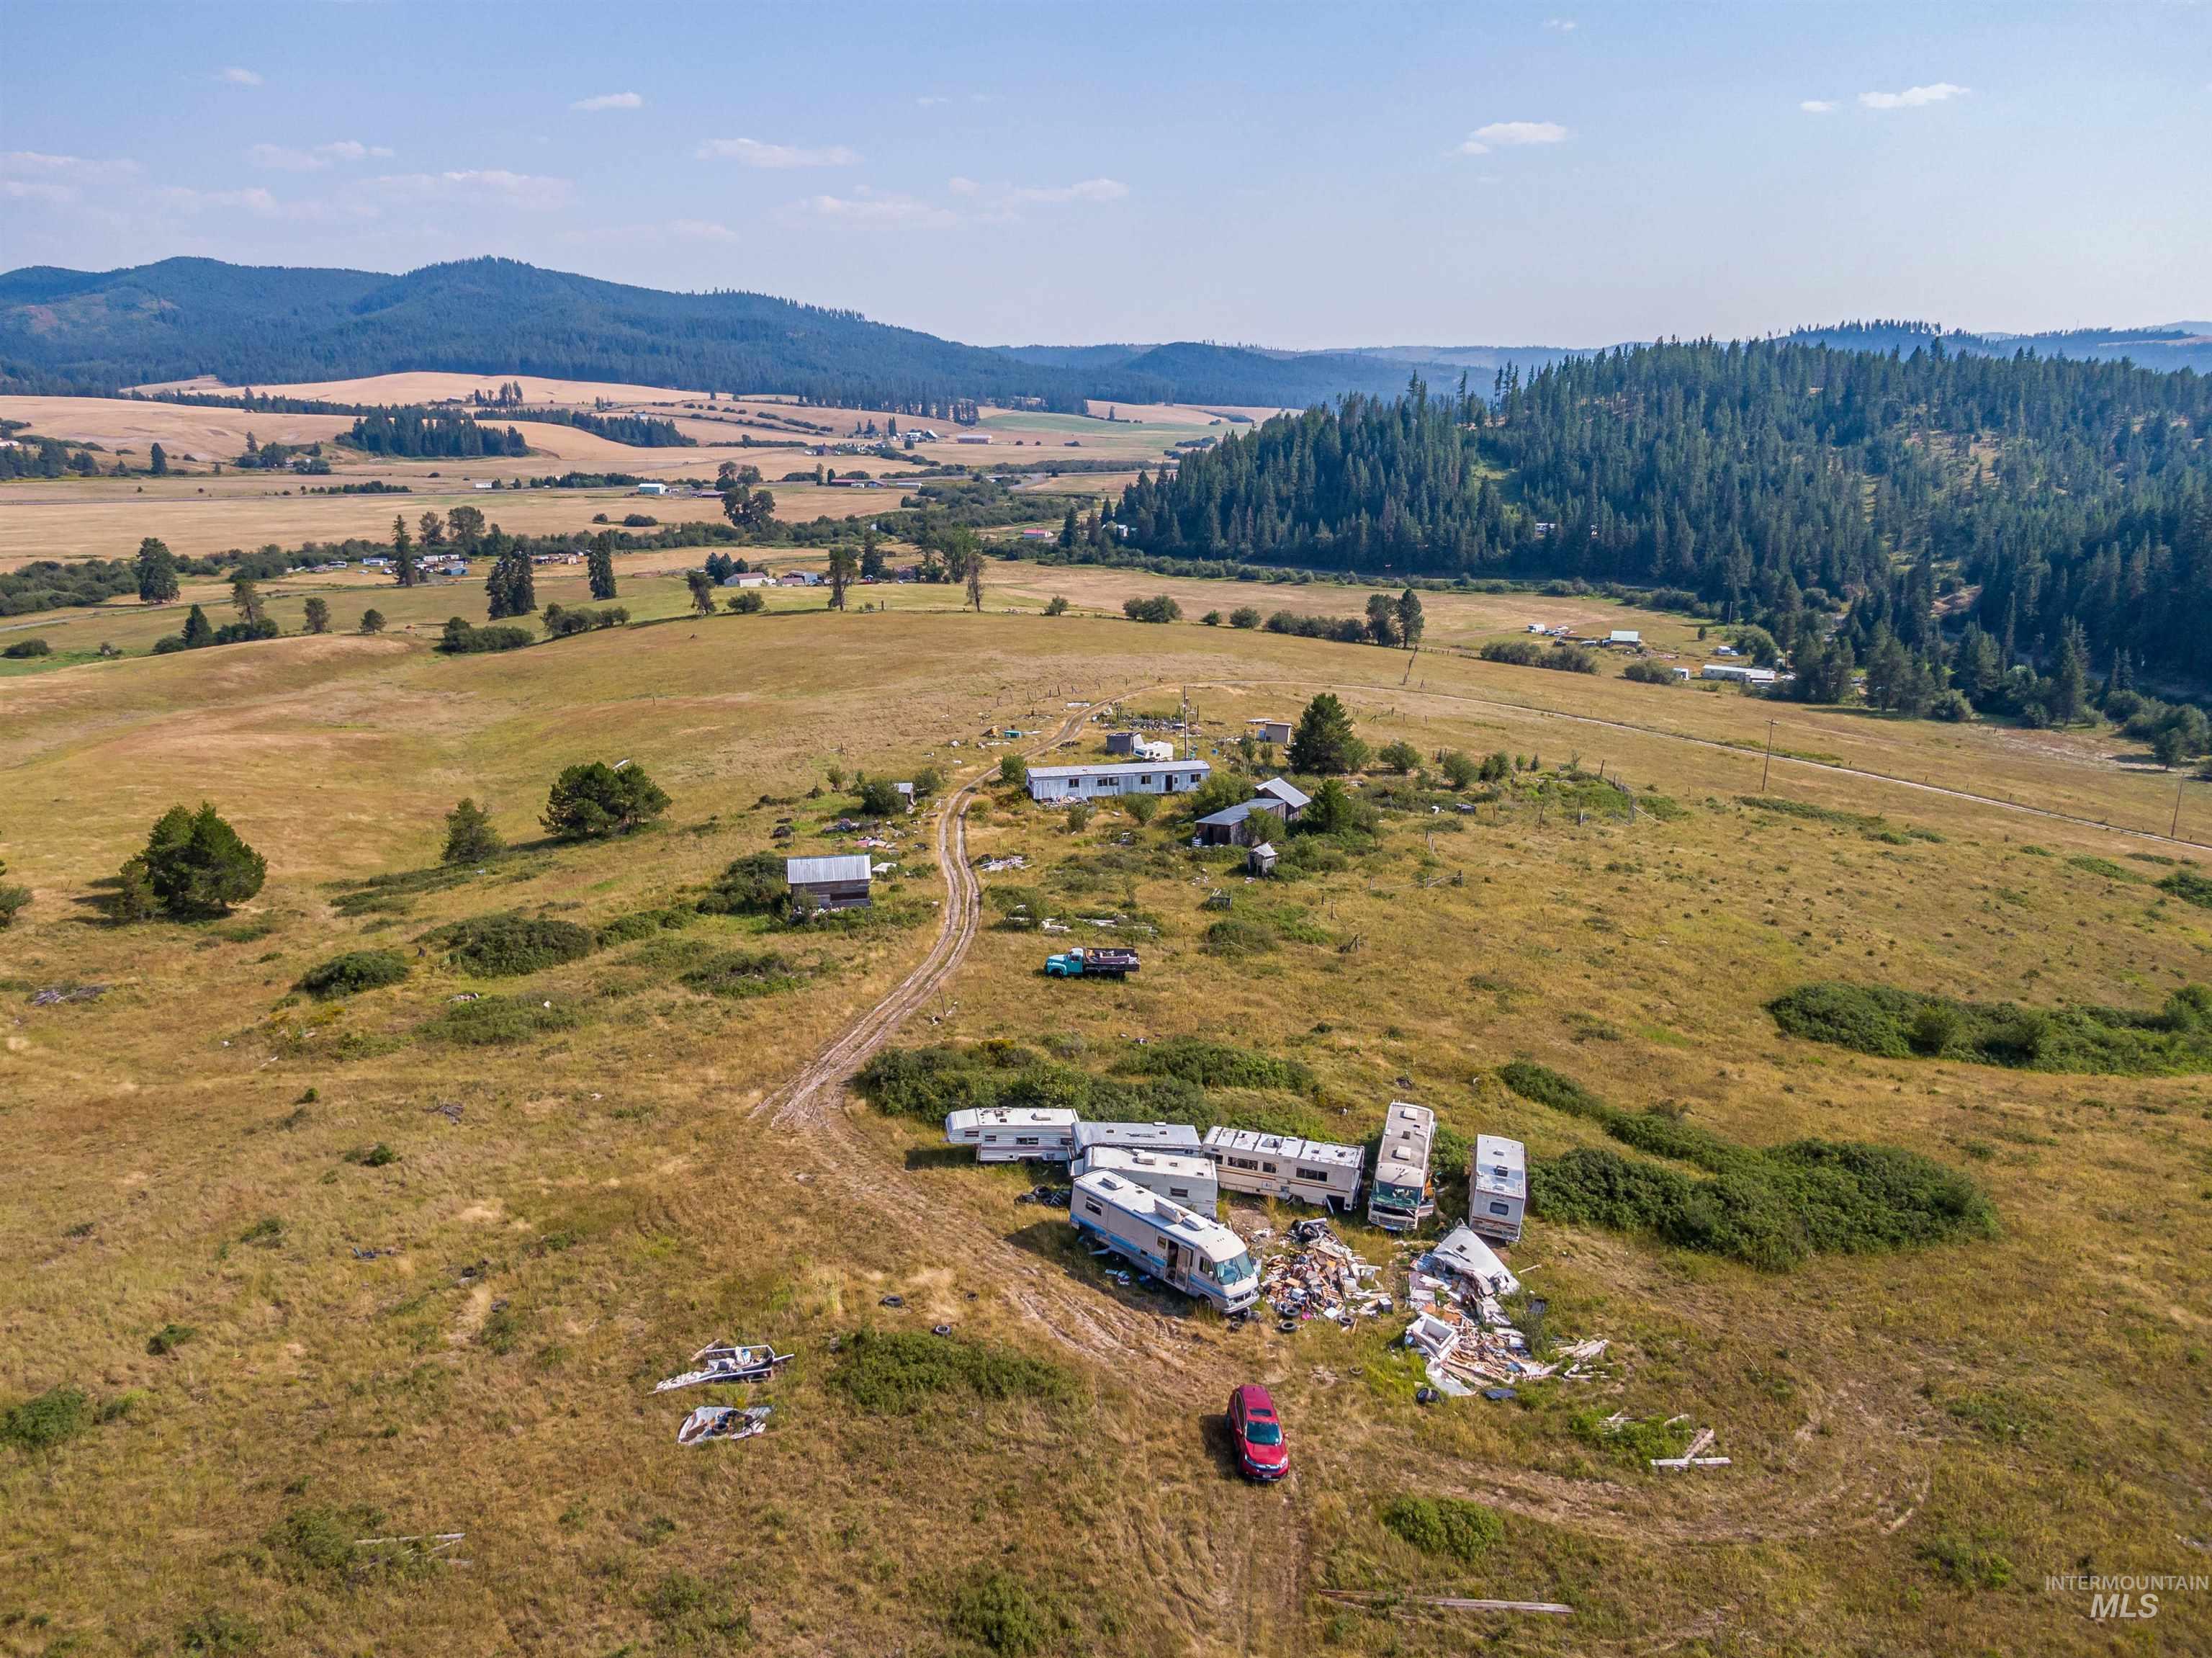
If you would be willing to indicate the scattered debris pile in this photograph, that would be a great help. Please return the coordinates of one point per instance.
(1051, 1197)
(723, 1422)
(1696, 1455)
(1463, 1331)
(1319, 1277)
(725, 1361)
(54, 995)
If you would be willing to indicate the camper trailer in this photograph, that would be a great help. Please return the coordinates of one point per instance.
(1400, 1199)
(1187, 1180)
(1282, 1166)
(1184, 1250)
(1180, 1139)
(1497, 1188)
(1010, 1134)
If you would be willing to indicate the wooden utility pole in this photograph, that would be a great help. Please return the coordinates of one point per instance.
(1769, 766)
(2174, 831)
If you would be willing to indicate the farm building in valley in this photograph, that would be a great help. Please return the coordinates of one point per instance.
(829, 883)
(1068, 783)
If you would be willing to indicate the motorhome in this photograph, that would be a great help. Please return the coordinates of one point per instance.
(1497, 1188)
(1283, 1166)
(1180, 1138)
(1009, 1134)
(1401, 1198)
(1187, 1180)
(1185, 1251)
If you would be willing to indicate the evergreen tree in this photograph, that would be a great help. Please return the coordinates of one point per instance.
(157, 572)
(1323, 742)
(2069, 697)
(433, 529)
(371, 621)
(703, 591)
(196, 864)
(198, 630)
(465, 525)
(843, 568)
(599, 565)
(246, 600)
(403, 554)
(871, 554)
(12, 898)
(511, 588)
(470, 836)
(1068, 528)
(318, 615)
(1411, 621)
(593, 801)
(157, 461)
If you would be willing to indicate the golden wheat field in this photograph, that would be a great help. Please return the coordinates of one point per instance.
(426, 1284)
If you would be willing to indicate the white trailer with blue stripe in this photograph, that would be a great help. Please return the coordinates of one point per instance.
(1185, 1251)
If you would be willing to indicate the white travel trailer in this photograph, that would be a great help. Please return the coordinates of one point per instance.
(1497, 1188)
(1184, 1250)
(1283, 1166)
(1010, 1134)
(1401, 1198)
(1180, 1139)
(1186, 1180)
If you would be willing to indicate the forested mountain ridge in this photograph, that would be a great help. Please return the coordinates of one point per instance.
(1777, 481)
(71, 330)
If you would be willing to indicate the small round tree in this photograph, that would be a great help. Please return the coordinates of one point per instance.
(593, 801)
(1013, 769)
(196, 864)
(470, 838)
(371, 621)
(317, 612)
(1323, 742)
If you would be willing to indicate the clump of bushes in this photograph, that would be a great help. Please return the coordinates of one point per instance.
(52, 1418)
(24, 650)
(1526, 653)
(354, 971)
(596, 799)
(1444, 1525)
(490, 1020)
(464, 638)
(751, 885)
(997, 1612)
(506, 945)
(1768, 1207)
(561, 622)
(1216, 1065)
(169, 1337)
(646, 924)
(195, 864)
(742, 973)
(1648, 670)
(1900, 1024)
(2188, 886)
(895, 1372)
(1236, 935)
(1157, 608)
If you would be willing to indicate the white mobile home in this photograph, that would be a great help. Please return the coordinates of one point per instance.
(1012, 1134)
(1283, 1166)
(1186, 1180)
(1180, 1138)
(1070, 783)
(1183, 1250)
(1401, 1198)
(1742, 674)
(1497, 1188)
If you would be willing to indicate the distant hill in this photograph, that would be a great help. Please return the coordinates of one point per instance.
(2170, 345)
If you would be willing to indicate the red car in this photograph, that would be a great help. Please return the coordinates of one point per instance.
(1260, 1453)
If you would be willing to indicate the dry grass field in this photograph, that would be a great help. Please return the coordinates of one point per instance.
(461, 1334)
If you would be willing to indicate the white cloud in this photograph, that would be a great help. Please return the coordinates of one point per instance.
(878, 210)
(1560, 25)
(1513, 135)
(476, 186)
(1090, 190)
(701, 230)
(1912, 97)
(1819, 105)
(32, 190)
(256, 201)
(609, 100)
(36, 164)
(960, 186)
(282, 158)
(753, 153)
(932, 100)
(239, 77)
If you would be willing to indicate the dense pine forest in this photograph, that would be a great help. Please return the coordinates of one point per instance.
(419, 432)
(1855, 505)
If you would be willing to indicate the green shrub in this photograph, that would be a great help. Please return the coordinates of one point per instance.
(751, 885)
(895, 1372)
(997, 1612)
(1444, 1525)
(645, 924)
(1649, 670)
(52, 1418)
(1636, 1443)
(1548, 1087)
(354, 971)
(880, 798)
(169, 1337)
(470, 836)
(2188, 886)
(1216, 1065)
(23, 650)
(741, 974)
(1897, 1024)
(506, 945)
(462, 638)
(1526, 653)
(1013, 769)
(1236, 936)
(491, 1020)
(318, 1542)
(217, 1633)
(1157, 608)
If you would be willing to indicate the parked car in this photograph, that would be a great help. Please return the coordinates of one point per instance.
(1261, 1451)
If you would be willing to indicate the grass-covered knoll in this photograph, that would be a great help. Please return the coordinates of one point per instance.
(507, 945)
(896, 1372)
(353, 971)
(1770, 1207)
(1897, 1024)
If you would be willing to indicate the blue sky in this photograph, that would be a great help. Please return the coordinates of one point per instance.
(1296, 175)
